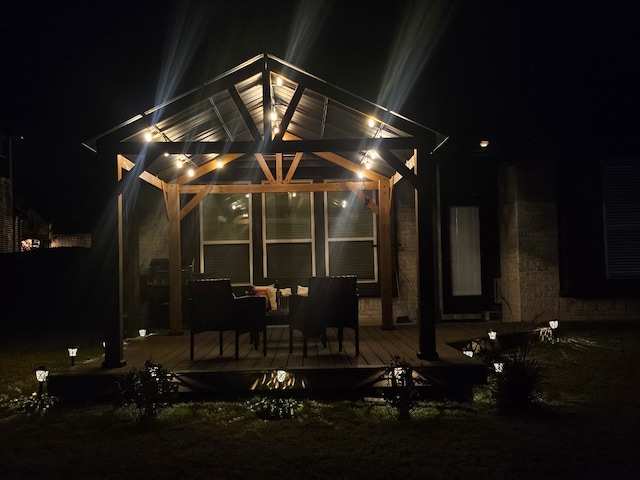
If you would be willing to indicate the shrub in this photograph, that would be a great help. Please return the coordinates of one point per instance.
(402, 390)
(518, 386)
(267, 408)
(35, 404)
(147, 391)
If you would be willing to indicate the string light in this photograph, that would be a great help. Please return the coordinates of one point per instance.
(182, 160)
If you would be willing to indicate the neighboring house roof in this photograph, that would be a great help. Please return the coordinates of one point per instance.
(266, 97)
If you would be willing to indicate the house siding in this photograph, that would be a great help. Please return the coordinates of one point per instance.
(7, 237)
(71, 240)
(406, 303)
(529, 251)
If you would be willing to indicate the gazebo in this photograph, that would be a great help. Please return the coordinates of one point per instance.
(267, 127)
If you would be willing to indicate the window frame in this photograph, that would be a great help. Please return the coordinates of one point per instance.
(248, 242)
(374, 238)
(311, 240)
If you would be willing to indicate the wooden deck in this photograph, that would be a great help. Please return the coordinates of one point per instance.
(325, 369)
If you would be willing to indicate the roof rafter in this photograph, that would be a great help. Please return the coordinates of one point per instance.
(288, 115)
(399, 166)
(246, 116)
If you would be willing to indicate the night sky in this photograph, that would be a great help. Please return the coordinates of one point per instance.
(531, 71)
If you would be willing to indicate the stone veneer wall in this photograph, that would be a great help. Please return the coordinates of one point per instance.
(71, 240)
(406, 303)
(153, 231)
(7, 234)
(529, 251)
(509, 243)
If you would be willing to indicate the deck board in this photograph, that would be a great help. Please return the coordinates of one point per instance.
(377, 348)
(209, 369)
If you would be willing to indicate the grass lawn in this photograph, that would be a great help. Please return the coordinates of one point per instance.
(586, 427)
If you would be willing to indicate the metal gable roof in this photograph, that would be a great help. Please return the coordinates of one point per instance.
(264, 99)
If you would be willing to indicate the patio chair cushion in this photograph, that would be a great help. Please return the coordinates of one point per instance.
(285, 292)
(263, 291)
(302, 291)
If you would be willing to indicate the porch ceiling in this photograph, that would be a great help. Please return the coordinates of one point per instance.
(266, 105)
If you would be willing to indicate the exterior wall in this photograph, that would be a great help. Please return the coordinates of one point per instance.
(509, 244)
(529, 252)
(33, 226)
(7, 236)
(369, 311)
(8, 242)
(71, 240)
(406, 303)
(153, 228)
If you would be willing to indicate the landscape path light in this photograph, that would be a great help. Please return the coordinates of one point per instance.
(498, 367)
(73, 352)
(553, 324)
(42, 374)
(493, 335)
(143, 332)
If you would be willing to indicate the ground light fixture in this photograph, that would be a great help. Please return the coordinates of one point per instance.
(553, 324)
(493, 334)
(468, 351)
(498, 367)
(142, 332)
(73, 352)
(42, 374)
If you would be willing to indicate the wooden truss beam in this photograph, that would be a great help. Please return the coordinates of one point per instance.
(213, 164)
(279, 187)
(293, 167)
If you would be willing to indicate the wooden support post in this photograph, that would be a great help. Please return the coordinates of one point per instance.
(175, 260)
(384, 250)
(429, 310)
(113, 283)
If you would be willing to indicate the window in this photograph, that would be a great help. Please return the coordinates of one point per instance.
(288, 235)
(464, 229)
(621, 209)
(226, 237)
(351, 236)
(5, 164)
